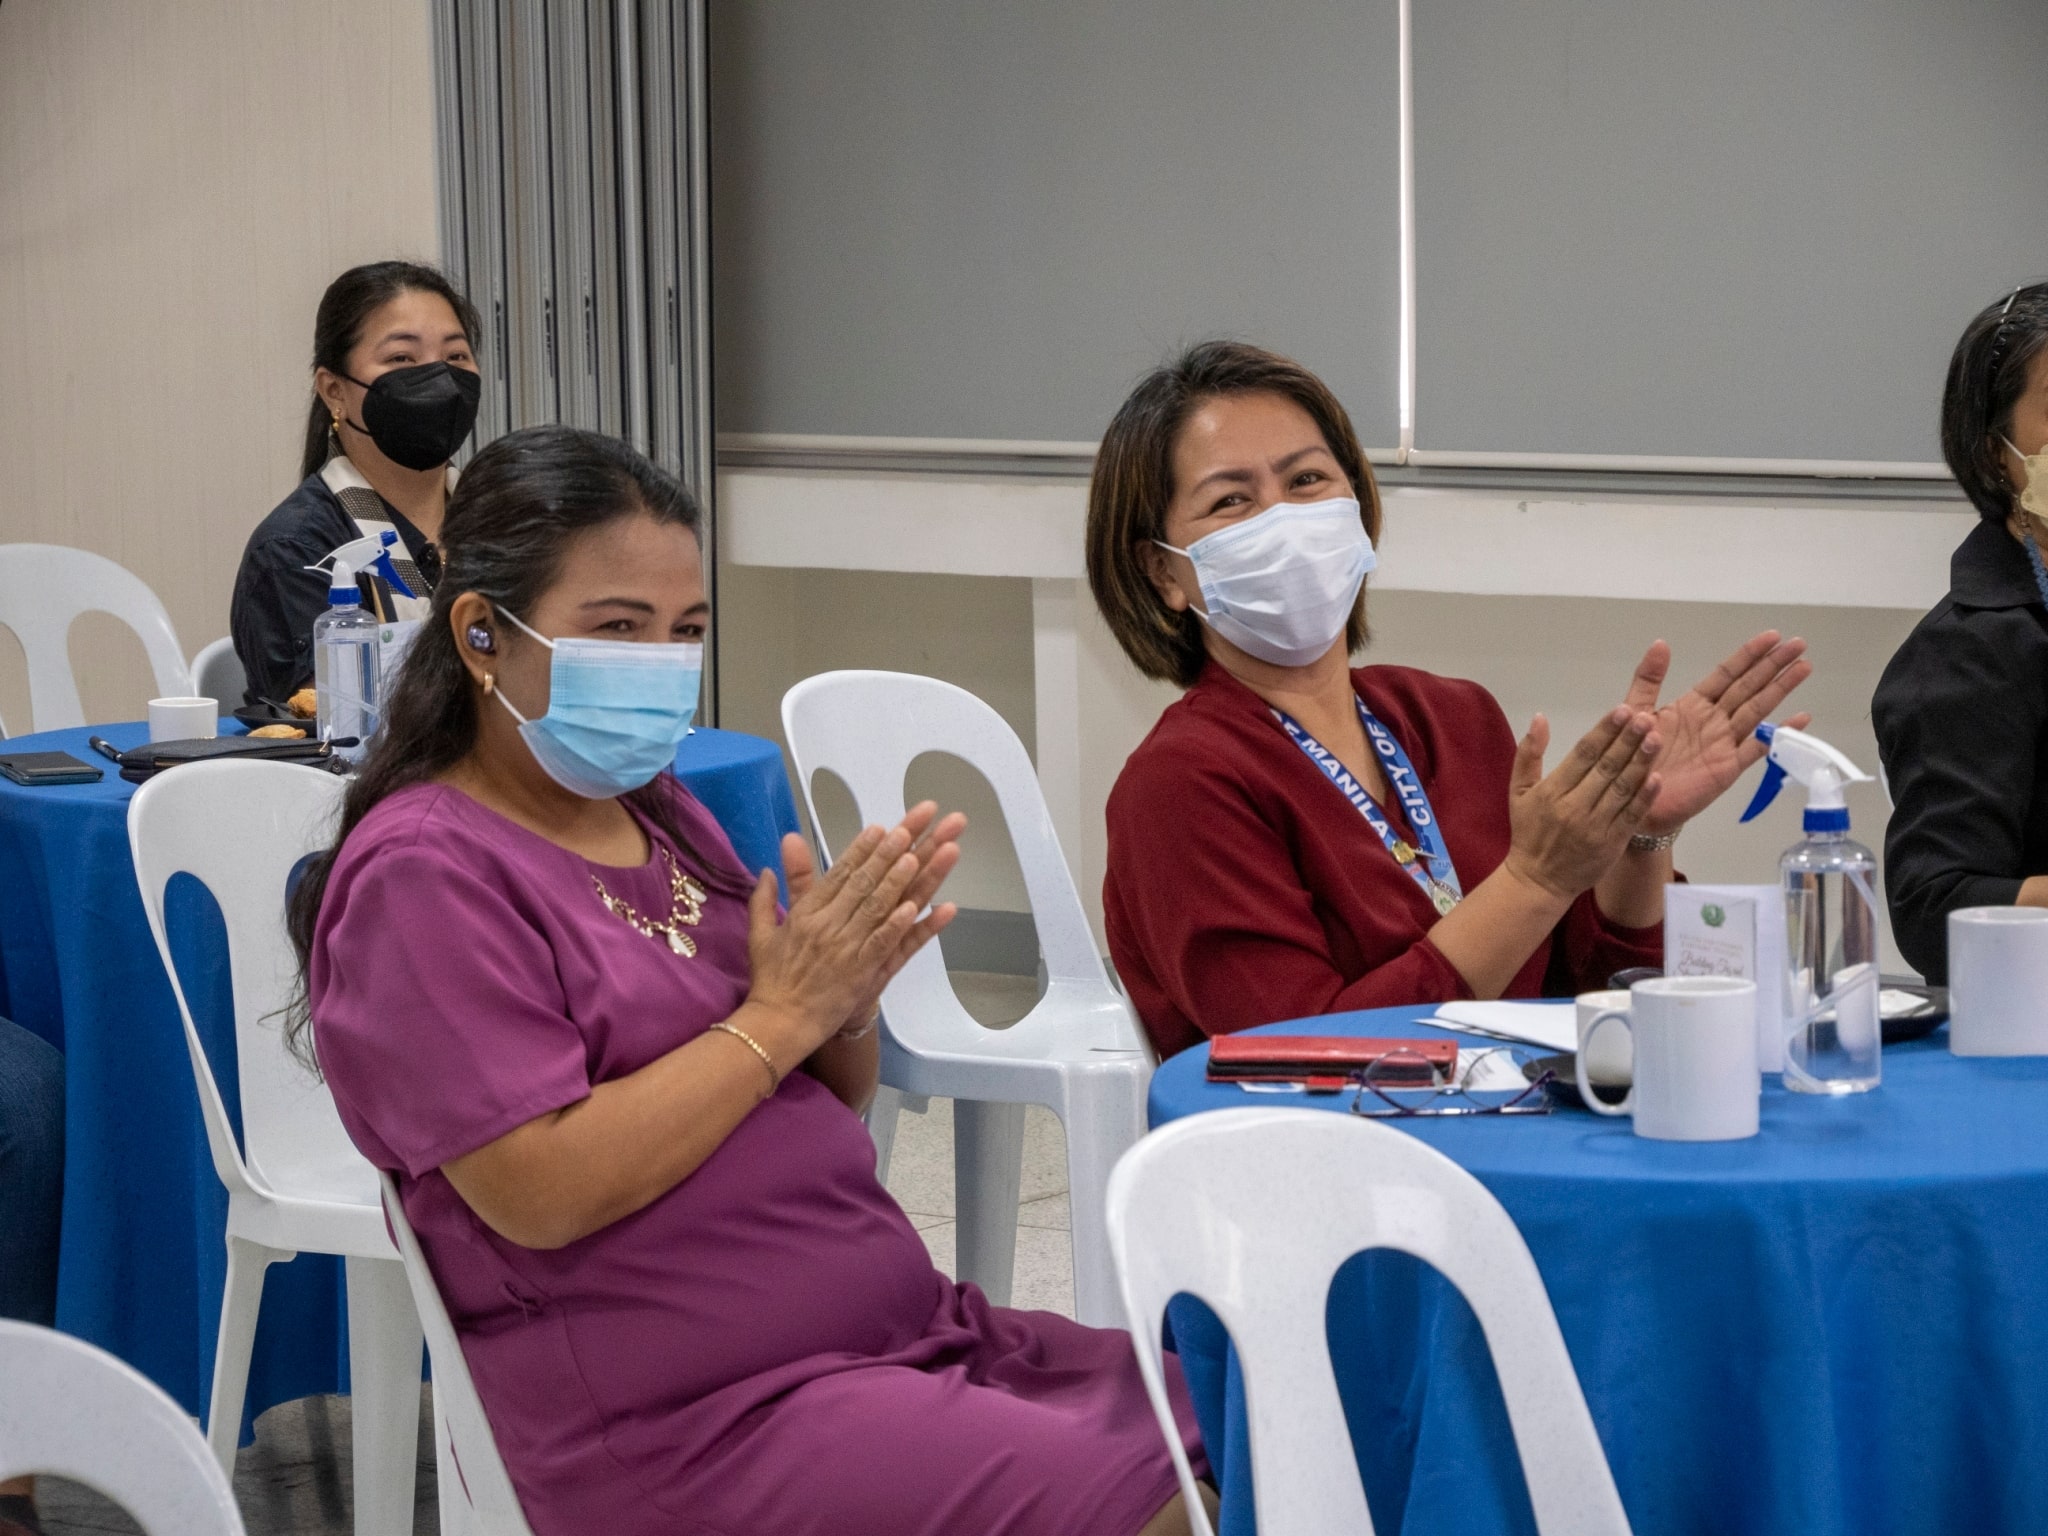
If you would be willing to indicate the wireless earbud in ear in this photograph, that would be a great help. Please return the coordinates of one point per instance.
(480, 638)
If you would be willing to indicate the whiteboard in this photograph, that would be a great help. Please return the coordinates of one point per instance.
(1750, 228)
(985, 221)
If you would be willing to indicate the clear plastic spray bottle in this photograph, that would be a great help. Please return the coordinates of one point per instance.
(346, 666)
(1831, 974)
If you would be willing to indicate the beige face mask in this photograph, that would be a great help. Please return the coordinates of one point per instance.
(2034, 496)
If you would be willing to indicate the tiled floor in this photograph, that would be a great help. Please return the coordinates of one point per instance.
(294, 1481)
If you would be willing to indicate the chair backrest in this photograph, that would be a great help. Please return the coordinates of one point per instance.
(868, 728)
(70, 1410)
(43, 587)
(217, 674)
(459, 1412)
(240, 828)
(1253, 1210)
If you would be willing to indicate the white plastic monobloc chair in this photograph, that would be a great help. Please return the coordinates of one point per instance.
(476, 1491)
(70, 1410)
(1252, 1211)
(1079, 1052)
(217, 674)
(295, 1182)
(43, 587)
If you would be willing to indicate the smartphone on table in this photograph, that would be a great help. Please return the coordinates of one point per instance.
(48, 768)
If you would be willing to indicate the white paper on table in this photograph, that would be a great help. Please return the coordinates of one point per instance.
(1894, 1004)
(1554, 1026)
(1749, 942)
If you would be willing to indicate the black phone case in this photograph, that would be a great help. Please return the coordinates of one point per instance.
(48, 768)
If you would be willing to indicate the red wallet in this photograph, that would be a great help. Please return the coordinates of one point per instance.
(1327, 1062)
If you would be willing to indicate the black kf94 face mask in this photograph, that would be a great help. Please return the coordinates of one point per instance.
(419, 416)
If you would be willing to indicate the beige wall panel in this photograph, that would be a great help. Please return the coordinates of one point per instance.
(777, 627)
(178, 183)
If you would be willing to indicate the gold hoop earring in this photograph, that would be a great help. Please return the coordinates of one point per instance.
(490, 684)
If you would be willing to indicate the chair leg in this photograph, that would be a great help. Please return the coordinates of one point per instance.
(384, 1345)
(881, 1118)
(1104, 1118)
(241, 1300)
(988, 1174)
(458, 1517)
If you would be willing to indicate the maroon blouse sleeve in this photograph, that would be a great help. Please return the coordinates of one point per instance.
(1589, 946)
(1216, 915)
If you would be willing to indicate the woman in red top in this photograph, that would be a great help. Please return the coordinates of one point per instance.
(1297, 837)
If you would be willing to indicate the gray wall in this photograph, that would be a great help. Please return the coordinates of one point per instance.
(937, 219)
(1747, 227)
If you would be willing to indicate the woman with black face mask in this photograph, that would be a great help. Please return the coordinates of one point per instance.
(395, 392)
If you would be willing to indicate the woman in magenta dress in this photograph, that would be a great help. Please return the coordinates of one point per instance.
(619, 1089)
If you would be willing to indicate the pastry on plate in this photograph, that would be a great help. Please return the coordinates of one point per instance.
(279, 733)
(305, 704)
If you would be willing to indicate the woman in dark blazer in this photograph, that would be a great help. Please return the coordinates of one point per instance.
(395, 394)
(1962, 710)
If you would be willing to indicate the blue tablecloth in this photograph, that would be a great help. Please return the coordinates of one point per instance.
(144, 1217)
(1835, 1328)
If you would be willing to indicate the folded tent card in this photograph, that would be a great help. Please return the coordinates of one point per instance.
(1738, 931)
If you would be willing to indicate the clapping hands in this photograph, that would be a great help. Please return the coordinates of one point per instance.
(849, 931)
(1708, 734)
(1647, 768)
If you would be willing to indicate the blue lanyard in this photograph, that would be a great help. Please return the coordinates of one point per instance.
(1430, 867)
(2040, 571)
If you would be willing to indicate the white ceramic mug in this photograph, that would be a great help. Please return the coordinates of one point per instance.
(1609, 1056)
(1998, 981)
(1695, 1072)
(183, 719)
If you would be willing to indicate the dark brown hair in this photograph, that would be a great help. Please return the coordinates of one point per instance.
(1133, 483)
(338, 324)
(517, 508)
(1986, 377)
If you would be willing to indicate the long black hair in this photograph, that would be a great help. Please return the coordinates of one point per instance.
(515, 511)
(346, 307)
(1986, 377)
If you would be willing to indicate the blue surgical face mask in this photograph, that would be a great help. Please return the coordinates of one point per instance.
(616, 711)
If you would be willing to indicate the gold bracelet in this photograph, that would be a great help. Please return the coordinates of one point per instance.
(1643, 842)
(774, 1077)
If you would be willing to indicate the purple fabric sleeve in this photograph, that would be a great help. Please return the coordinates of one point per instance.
(486, 1042)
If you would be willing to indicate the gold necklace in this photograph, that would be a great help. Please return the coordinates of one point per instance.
(686, 912)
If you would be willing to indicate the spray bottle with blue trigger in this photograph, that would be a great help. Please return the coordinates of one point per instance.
(1829, 880)
(372, 552)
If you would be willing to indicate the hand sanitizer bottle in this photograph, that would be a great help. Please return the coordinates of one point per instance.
(345, 666)
(1831, 981)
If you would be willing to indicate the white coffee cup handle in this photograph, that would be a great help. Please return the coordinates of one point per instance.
(1594, 1102)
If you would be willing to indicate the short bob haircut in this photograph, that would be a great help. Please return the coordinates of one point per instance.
(1133, 482)
(1986, 378)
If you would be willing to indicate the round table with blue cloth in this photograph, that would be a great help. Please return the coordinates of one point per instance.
(1834, 1328)
(143, 1257)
